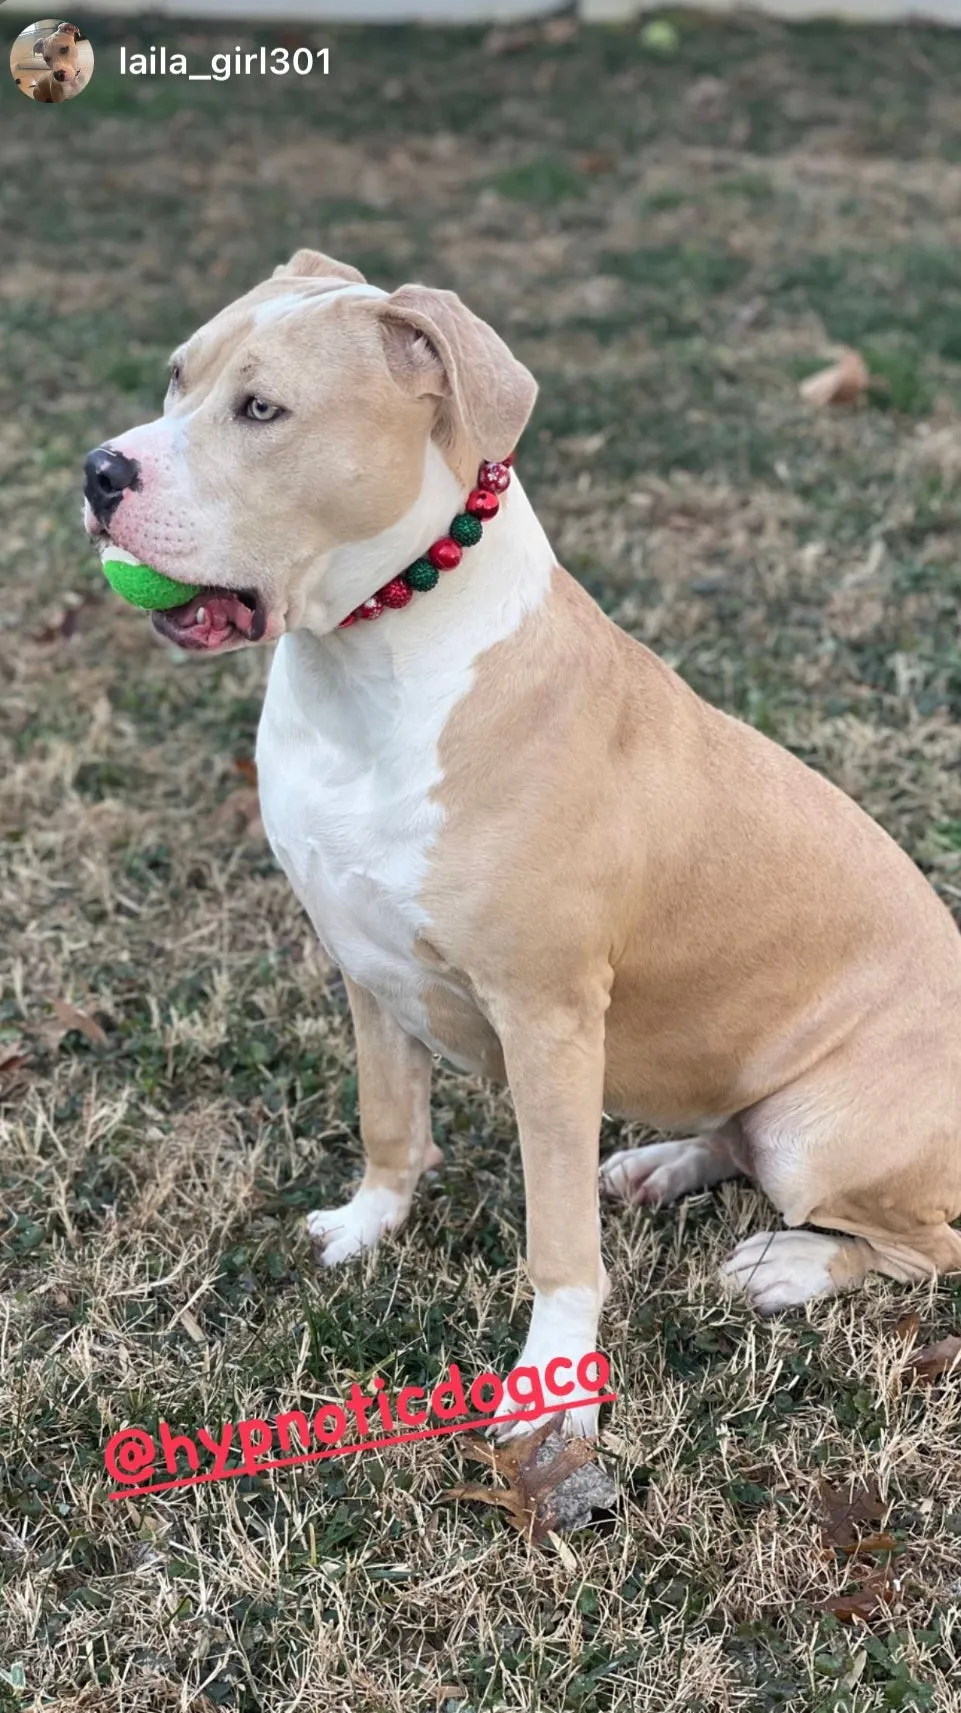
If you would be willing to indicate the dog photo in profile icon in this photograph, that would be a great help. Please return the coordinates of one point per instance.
(51, 61)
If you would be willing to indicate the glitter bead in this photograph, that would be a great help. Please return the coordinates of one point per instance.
(482, 503)
(445, 553)
(371, 609)
(397, 593)
(422, 575)
(466, 530)
(351, 619)
(496, 477)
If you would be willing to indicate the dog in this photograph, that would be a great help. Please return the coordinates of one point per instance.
(528, 844)
(65, 76)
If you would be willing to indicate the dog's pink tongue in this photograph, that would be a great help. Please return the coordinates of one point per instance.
(210, 617)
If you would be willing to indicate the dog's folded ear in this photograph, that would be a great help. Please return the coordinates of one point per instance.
(305, 264)
(436, 346)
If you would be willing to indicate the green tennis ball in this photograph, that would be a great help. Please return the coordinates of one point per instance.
(660, 37)
(144, 587)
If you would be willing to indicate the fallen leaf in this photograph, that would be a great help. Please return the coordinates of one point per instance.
(247, 768)
(69, 1017)
(14, 1058)
(864, 1603)
(243, 805)
(934, 1360)
(842, 1517)
(871, 1543)
(530, 1484)
(908, 1328)
(520, 1514)
(841, 383)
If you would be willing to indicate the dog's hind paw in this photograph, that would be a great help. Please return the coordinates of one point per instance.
(339, 1232)
(781, 1269)
(659, 1172)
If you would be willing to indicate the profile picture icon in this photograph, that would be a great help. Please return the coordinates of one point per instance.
(51, 61)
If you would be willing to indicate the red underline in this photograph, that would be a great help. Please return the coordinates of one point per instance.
(361, 1445)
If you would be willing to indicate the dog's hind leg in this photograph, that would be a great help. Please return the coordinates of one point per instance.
(393, 1076)
(781, 1269)
(867, 1155)
(660, 1172)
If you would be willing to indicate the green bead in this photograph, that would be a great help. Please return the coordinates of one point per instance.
(422, 575)
(144, 587)
(466, 530)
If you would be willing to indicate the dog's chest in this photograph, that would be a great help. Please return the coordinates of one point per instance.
(349, 811)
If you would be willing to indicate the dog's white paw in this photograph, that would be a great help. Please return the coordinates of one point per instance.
(780, 1269)
(339, 1232)
(563, 1332)
(659, 1172)
(573, 1424)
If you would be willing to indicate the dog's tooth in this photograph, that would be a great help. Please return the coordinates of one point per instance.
(200, 616)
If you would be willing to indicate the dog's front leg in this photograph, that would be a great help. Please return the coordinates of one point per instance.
(393, 1078)
(555, 1067)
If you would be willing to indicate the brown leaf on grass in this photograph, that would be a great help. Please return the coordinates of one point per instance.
(870, 1544)
(859, 1605)
(242, 805)
(70, 1017)
(13, 1057)
(530, 1485)
(841, 383)
(519, 1512)
(908, 1328)
(14, 1062)
(247, 768)
(925, 1366)
(842, 1517)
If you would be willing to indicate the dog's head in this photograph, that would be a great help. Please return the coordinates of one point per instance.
(60, 52)
(307, 428)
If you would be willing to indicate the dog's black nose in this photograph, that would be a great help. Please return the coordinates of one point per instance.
(106, 477)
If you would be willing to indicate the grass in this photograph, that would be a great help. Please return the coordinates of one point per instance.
(669, 267)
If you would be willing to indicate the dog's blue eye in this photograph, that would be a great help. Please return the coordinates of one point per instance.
(260, 410)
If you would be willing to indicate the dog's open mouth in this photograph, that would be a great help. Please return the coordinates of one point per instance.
(214, 619)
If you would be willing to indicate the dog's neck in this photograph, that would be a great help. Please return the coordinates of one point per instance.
(441, 632)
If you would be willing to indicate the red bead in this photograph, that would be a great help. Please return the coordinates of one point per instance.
(445, 553)
(396, 593)
(482, 503)
(496, 477)
(351, 619)
(371, 609)
(509, 460)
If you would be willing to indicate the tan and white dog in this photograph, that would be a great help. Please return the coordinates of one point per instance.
(65, 53)
(529, 846)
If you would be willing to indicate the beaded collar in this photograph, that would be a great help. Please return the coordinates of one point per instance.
(480, 506)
